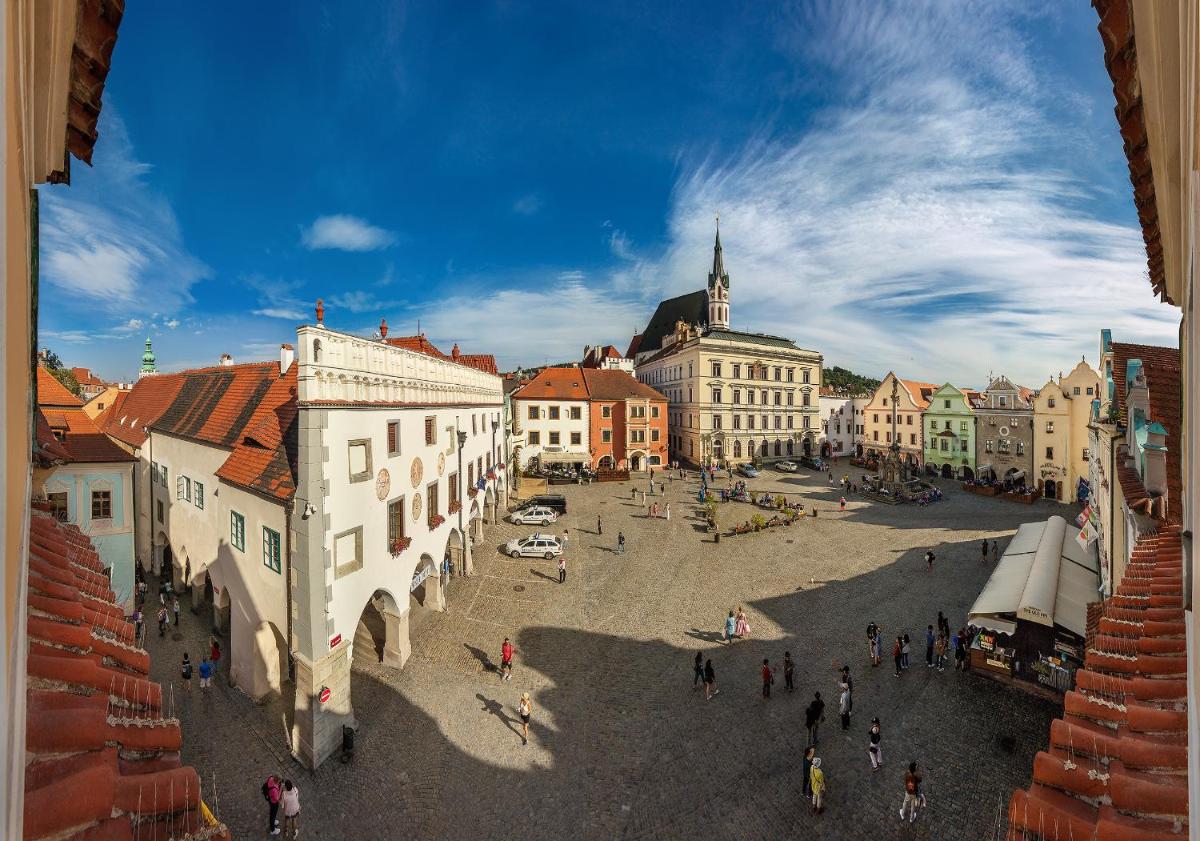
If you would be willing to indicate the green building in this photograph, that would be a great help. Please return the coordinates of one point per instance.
(949, 427)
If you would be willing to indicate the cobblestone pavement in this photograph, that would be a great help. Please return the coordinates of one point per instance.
(621, 744)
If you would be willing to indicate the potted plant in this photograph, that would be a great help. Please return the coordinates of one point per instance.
(436, 520)
(399, 544)
(472, 492)
(455, 506)
(758, 521)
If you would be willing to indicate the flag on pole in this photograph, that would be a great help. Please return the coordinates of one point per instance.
(481, 484)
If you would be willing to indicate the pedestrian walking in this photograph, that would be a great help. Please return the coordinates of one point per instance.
(818, 786)
(620, 543)
(599, 525)
(898, 654)
(205, 674)
(291, 809)
(162, 621)
(768, 678)
(668, 511)
(730, 628)
(814, 714)
(566, 539)
(138, 625)
(983, 552)
(214, 653)
(789, 672)
(525, 708)
(844, 707)
(710, 680)
(872, 631)
(960, 652)
(874, 748)
(185, 672)
(506, 656)
(848, 682)
(743, 627)
(943, 624)
(810, 754)
(843, 503)
(912, 787)
(562, 569)
(662, 488)
(175, 610)
(698, 670)
(904, 652)
(272, 794)
(929, 642)
(939, 653)
(633, 493)
(995, 553)
(929, 560)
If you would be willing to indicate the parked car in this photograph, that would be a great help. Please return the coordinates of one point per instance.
(813, 462)
(748, 470)
(786, 466)
(538, 515)
(535, 546)
(555, 502)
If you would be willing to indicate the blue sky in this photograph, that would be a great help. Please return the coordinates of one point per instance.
(933, 187)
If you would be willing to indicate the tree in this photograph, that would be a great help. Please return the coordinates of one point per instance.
(55, 366)
(844, 380)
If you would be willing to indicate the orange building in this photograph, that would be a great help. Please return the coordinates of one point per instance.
(627, 421)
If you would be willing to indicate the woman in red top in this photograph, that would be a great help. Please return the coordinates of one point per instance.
(768, 677)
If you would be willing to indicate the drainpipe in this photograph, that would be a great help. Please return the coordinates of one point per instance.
(289, 509)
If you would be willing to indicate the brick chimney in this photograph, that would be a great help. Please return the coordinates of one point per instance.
(454, 353)
(286, 355)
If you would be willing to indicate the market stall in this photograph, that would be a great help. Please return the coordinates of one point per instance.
(1032, 614)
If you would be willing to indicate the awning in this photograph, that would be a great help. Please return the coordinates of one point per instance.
(548, 457)
(1016, 477)
(984, 468)
(994, 623)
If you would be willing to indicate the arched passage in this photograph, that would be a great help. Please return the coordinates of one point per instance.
(475, 523)
(1051, 489)
(382, 632)
(807, 445)
(489, 505)
(947, 471)
(269, 664)
(452, 560)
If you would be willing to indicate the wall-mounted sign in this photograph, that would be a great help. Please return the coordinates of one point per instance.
(324, 694)
(416, 507)
(419, 578)
(441, 463)
(334, 640)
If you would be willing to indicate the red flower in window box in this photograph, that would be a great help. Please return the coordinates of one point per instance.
(436, 520)
(472, 492)
(399, 545)
(455, 506)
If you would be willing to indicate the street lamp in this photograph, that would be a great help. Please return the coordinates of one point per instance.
(462, 535)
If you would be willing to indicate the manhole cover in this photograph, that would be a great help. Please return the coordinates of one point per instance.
(518, 588)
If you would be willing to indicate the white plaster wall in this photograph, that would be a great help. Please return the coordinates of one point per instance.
(193, 534)
(545, 425)
(829, 406)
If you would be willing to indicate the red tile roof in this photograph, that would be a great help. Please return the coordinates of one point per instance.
(215, 405)
(554, 384)
(1161, 366)
(604, 384)
(1116, 766)
(921, 392)
(81, 441)
(264, 460)
(634, 344)
(84, 376)
(485, 362)
(50, 392)
(128, 418)
(102, 756)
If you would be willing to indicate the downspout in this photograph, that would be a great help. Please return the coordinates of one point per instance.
(289, 509)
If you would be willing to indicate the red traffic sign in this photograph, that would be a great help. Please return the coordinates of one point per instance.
(324, 695)
(334, 640)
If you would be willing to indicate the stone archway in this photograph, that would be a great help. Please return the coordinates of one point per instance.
(1050, 491)
(489, 505)
(269, 668)
(382, 632)
(967, 473)
(475, 523)
(455, 555)
(606, 463)
(947, 471)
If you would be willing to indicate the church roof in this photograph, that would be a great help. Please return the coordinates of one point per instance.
(718, 273)
(728, 335)
(691, 308)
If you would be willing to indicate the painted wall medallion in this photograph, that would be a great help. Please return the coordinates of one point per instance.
(416, 508)
(383, 484)
(416, 472)
(441, 463)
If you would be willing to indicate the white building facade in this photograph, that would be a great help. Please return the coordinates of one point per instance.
(837, 425)
(400, 457)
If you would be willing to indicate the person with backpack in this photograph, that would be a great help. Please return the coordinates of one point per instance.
(912, 793)
(162, 622)
(185, 672)
(272, 794)
(205, 674)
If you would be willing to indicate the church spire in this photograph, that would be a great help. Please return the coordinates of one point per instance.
(148, 361)
(718, 286)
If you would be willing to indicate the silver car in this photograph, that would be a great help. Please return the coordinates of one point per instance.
(538, 515)
(535, 546)
(786, 466)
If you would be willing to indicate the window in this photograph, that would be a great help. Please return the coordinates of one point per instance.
(553, 413)
(791, 399)
(762, 396)
(778, 396)
(716, 395)
(535, 437)
(606, 411)
(359, 458)
(162, 479)
(962, 445)
(1050, 402)
(101, 505)
(791, 375)
(347, 552)
(575, 412)
(431, 428)
(737, 370)
(945, 445)
(806, 375)
(58, 505)
(555, 438)
(749, 421)
(1075, 391)
(946, 424)
(474, 424)
(393, 438)
(945, 404)
(716, 368)
(749, 372)
(1002, 446)
(237, 531)
(885, 401)
(395, 521)
(737, 421)
(987, 446)
(737, 396)
(1003, 401)
(908, 419)
(1049, 452)
(962, 426)
(606, 436)
(153, 472)
(791, 418)
(199, 495)
(637, 411)
(875, 435)
(576, 438)
(764, 421)
(779, 421)
(778, 373)
(654, 411)
(653, 434)
(1089, 391)
(875, 419)
(431, 503)
(532, 414)
(159, 510)
(271, 549)
(1020, 448)
(716, 422)
(912, 438)
(806, 399)
(183, 488)
(453, 481)
(637, 436)
(750, 396)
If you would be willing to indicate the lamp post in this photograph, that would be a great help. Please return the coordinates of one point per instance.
(494, 457)
(462, 535)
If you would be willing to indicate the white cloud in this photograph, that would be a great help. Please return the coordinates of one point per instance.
(357, 301)
(281, 312)
(618, 243)
(528, 204)
(171, 323)
(571, 274)
(345, 233)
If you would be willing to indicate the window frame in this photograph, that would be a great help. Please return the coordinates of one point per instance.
(393, 438)
(237, 530)
(366, 473)
(98, 495)
(277, 565)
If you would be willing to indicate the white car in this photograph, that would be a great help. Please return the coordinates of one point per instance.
(535, 546)
(786, 467)
(538, 515)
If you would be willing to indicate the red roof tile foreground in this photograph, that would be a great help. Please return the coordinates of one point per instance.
(1116, 766)
(1163, 372)
(102, 754)
(127, 419)
(78, 438)
(264, 460)
(613, 384)
(50, 392)
(485, 362)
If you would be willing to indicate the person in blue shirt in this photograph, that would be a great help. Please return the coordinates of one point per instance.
(730, 628)
(929, 640)
(205, 673)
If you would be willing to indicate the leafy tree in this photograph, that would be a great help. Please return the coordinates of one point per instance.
(60, 372)
(842, 379)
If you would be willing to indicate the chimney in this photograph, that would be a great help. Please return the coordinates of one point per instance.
(454, 351)
(226, 359)
(286, 354)
(383, 329)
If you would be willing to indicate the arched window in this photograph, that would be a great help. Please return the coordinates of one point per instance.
(765, 450)
(778, 447)
(737, 449)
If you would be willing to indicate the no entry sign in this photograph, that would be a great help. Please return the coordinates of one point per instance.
(324, 694)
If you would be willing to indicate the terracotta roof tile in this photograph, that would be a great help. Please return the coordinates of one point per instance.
(921, 392)
(81, 441)
(485, 362)
(50, 392)
(128, 419)
(84, 376)
(554, 384)
(214, 405)
(264, 460)
(605, 384)
(1116, 765)
(95, 725)
(1163, 372)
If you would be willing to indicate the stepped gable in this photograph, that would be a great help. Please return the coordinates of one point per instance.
(1116, 765)
(102, 748)
(264, 460)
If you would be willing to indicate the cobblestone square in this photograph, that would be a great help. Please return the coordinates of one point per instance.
(622, 745)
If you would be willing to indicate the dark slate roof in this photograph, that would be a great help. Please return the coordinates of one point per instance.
(691, 308)
(215, 405)
(753, 338)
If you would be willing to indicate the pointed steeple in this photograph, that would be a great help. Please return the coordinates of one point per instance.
(148, 361)
(718, 286)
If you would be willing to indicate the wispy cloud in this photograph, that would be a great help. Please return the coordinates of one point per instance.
(359, 301)
(528, 204)
(281, 312)
(345, 233)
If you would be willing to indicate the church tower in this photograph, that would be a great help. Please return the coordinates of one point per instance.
(148, 362)
(718, 287)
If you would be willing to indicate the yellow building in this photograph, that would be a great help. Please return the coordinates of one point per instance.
(733, 396)
(1062, 410)
(901, 400)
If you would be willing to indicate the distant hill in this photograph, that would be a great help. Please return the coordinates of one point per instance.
(840, 379)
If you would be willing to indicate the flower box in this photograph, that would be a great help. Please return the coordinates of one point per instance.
(436, 520)
(455, 506)
(472, 492)
(399, 545)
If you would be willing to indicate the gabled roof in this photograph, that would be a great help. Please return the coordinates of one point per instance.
(1116, 765)
(264, 460)
(78, 437)
(919, 391)
(50, 392)
(691, 308)
(101, 749)
(214, 405)
(132, 412)
(84, 376)
(485, 362)
(606, 384)
(554, 384)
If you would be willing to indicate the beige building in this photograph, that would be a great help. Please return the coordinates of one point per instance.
(733, 396)
(905, 401)
(1062, 410)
